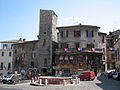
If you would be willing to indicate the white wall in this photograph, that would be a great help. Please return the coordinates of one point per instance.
(5, 60)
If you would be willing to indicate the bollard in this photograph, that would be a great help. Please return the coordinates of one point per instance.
(46, 81)
(64, 82)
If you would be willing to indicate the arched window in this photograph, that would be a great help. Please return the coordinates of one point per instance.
(66, 57)
(32, 64)
(61, 58)
(45, 61)
(71, 57)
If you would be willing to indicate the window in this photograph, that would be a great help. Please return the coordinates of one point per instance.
(32, 64)
(33, 55)
(90, 45)
(66, 57)
(103, 50)
(33, 47)
(113, 56)
(77, 45)
(103, 57)
(77, 33)
(45, 62)
(71, 57)
(4, 46)
(61, 58)
(12, 46)
(15, 51)
(2, 53)
(10, 53)
(89, 34)
(9, 66)
(1, 66)
(64, 45)
(44, 42)
(64, 34)
(103, 39)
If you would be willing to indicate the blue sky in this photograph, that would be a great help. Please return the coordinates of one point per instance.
(20, 18)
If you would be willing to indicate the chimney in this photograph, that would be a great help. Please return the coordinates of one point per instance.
(24, 39)
(38, 36)
(20, 39)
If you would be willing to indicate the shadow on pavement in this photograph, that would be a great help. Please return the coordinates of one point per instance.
(108, 84)
(1, 88)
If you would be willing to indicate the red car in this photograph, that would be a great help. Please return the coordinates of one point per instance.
(88, 75)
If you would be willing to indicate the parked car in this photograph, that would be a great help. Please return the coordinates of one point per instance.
(11, 78)
(118, 78)
(110, 74)
(88, 75)
(1, 78)
(115, 75)
(67, 74)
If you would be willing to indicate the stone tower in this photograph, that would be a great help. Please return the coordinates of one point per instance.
(47, 39)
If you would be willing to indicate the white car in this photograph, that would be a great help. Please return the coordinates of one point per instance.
(11, 78)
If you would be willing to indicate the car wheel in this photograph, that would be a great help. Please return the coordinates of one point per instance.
(4, 82)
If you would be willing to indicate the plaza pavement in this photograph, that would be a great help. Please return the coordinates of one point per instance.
(100, 83)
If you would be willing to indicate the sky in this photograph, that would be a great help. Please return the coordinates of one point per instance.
(20, 18)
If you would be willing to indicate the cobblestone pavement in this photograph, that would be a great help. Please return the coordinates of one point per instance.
(100, 83)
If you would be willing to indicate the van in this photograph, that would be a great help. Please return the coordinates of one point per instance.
(88, 75)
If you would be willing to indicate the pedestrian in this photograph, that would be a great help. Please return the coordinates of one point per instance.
(15, 79)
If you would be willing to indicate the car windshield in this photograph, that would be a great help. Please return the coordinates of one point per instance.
(9, 75)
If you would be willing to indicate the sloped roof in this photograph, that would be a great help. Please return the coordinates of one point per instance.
(13, 41)
(78, 26)
(102, 33)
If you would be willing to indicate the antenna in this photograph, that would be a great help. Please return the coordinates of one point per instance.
(20, 36)
(75, 20)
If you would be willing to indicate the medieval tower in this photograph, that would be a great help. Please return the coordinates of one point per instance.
(47, 39)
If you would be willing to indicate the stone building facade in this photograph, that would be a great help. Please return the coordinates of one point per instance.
(113, 50)
(50, 54)
(110, 59)
(47, 39)
(116, 43)
(117, 54)
(25, 56)
(39, 54)
(80, 47)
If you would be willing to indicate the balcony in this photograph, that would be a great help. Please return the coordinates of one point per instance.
(74, 50)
